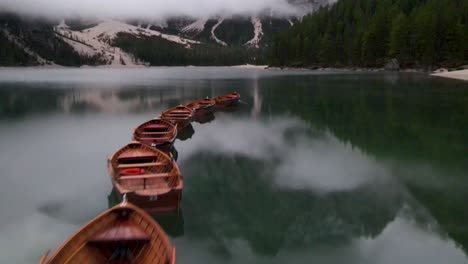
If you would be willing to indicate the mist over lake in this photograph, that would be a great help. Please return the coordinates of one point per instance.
(311, 167)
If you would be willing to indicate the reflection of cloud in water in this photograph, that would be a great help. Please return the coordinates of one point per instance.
(326, 164)
(404, 242)
(29, 238)
(245, 137)
(319, 164)
(401, 242)
(57, 165)
(69, 210)
(54, 178)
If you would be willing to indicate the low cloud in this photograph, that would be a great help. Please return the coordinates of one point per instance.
(144, 9)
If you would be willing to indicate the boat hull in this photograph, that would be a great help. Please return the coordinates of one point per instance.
(203, 111)
(181, 123)
(165, 147)
(181, 115)
(156, 133)
(202, 107)
(154, 204)
(227, 100)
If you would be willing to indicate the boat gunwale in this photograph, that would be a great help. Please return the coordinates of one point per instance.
(170, 124)
(229, 98)
(161, 234)
(165, 114)
(201, 107)
(174, 172)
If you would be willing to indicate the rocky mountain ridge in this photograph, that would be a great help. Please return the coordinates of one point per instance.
(96, 42)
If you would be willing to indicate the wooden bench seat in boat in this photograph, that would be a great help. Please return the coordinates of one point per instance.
(141, 165)
(178, 115)
(133, 172)
(121, 233)
(146, 133)
(156, 126)
(145, 176)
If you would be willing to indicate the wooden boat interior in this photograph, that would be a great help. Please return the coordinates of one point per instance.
(156, 129)
(137, 167)
(180, 111)
(121, 235)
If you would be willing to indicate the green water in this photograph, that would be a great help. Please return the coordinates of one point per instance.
(311, 168)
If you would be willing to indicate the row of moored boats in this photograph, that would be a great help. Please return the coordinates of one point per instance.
(145, 174)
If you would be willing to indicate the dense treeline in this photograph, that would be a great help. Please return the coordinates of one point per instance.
(157, 52)
(368, 33)
(12, 55)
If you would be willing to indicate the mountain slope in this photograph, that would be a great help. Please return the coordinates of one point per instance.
(38, 40)
(210, 41)
(98, 40)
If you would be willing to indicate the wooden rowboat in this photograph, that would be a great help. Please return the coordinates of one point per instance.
(202, 107)
(180, 115)
(227, 99)
(150, 178)
(156, 133)
(203, 119)
(122, 234)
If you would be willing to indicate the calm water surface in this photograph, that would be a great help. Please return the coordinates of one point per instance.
(311, 168)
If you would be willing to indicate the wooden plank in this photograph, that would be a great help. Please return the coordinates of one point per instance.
(144, 176)
(140, 165)
(153, 133)
(158, 139)
(44, 257)
(76, 252)
(156, 126)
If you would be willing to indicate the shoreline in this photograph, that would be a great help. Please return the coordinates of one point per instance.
(457, 75)
(139, 66)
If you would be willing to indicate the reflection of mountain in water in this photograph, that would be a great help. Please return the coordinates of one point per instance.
(405, 117)
(448, 207)
(409, 119)
(115, 101)
(23, 101)
(20, 99)
(233, 197)
(17, 101)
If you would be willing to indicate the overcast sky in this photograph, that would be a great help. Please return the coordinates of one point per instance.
(153, 9)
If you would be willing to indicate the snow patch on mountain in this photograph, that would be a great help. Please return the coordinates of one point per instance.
(97, 40)
(195, 28)
(258, 33)
(213, 35)
(80, 47)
